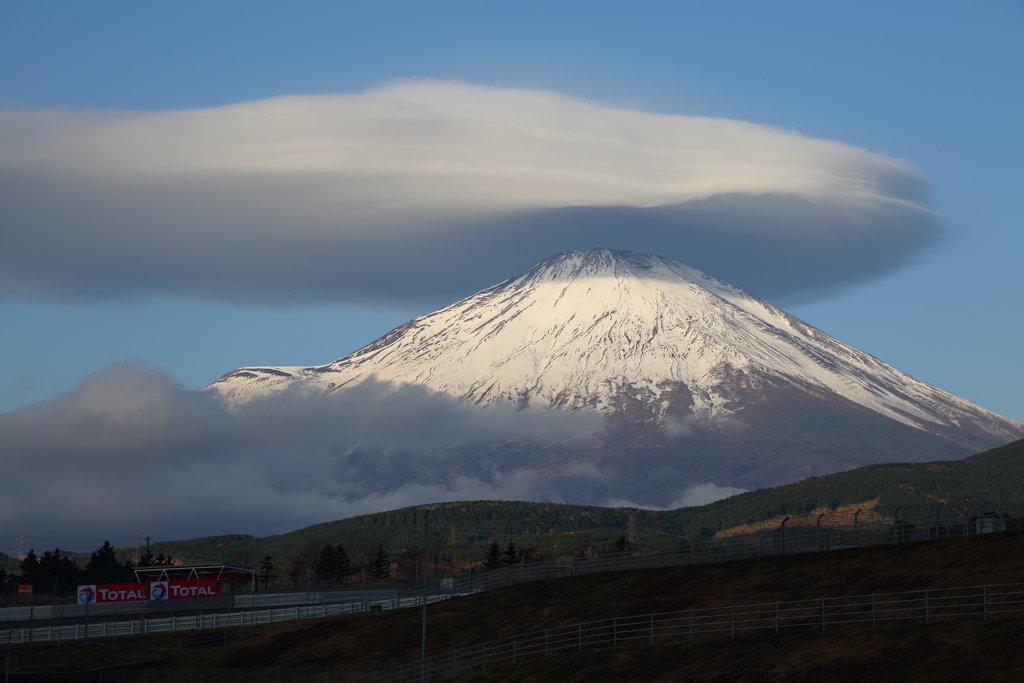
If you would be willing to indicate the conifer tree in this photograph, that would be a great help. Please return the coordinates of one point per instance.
(54, 569)
(343, 569)
(511, 554)
(7, 581)
(380, 567)
(333, 564)
(493, 559)
(104, 567)
(326, 563)
(267, 571)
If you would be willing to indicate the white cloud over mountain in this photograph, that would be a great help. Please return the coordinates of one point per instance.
(419, 192)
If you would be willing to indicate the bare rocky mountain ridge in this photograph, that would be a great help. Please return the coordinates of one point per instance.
(697, 381)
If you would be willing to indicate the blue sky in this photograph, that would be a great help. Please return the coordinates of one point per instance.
(935, 84)
(938, 85)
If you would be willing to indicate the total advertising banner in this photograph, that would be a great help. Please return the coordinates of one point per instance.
(174, 590)
(113, 592)
(157, 590)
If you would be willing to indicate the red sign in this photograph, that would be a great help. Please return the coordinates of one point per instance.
(206, 588)
(25, 590)
(157, 590)
(113, 592)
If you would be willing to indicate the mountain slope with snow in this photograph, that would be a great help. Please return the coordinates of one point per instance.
(596, 330)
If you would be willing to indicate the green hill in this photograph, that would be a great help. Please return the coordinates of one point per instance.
(995, 477)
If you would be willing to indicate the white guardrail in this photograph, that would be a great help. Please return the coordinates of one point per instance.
(199, 622)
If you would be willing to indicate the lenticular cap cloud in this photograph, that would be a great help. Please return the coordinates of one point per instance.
(421, 191)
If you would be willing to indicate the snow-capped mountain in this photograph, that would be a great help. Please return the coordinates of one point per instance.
(578, 329)
(663, 351)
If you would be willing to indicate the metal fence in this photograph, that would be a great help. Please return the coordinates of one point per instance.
(264, 675)
(927, 606)
(768, 542)
(198, 622)
(921, 606)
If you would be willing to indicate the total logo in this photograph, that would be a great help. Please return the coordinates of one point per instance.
(194, 591)
(158, 590)
(86, 594)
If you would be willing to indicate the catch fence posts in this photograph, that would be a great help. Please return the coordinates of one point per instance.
(896, 525)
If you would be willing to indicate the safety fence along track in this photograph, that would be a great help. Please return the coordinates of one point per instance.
(769, 542)
(918, 607)
(200, 622)
(924, 606)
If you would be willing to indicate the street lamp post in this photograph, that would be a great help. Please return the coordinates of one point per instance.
(426, 538)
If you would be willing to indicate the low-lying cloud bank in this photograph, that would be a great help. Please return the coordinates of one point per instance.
(422, 192)
(698, 494)
(130, 451)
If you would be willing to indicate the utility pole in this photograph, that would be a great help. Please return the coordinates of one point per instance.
(426, 540)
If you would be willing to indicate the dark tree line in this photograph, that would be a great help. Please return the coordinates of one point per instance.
(495, 557)
(57, 570)
(326, 563)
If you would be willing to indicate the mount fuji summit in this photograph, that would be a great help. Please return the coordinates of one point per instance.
(697, 381)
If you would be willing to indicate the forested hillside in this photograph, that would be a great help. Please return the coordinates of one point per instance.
(995, 477)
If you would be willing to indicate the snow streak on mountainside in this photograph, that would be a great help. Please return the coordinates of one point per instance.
(581, 329)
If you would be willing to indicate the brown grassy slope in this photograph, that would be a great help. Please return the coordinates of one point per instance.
(844, 514)
(965, 652)
(394, 637)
